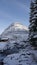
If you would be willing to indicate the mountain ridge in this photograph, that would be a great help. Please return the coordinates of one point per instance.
(14, 28)
(17, 24)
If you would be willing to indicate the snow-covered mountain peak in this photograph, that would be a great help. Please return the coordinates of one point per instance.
(18, 25)
(15, 29)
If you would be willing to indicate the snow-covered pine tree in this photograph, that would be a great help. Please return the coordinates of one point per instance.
(33, 23)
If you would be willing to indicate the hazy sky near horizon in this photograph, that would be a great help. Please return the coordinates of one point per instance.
(12, 11)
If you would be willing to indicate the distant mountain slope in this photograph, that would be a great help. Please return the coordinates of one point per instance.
(15, 30)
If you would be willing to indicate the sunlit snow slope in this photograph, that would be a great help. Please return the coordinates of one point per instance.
(16, 30)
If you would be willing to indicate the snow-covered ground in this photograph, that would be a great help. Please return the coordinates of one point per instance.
(24, 57)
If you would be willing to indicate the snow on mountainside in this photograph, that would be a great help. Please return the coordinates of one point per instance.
(19, 26)
(15, 30)
(16, 27)
(17, 50)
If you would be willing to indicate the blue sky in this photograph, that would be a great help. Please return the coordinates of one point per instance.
(14, 11)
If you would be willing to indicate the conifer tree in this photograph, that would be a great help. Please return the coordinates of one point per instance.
(33, 23)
